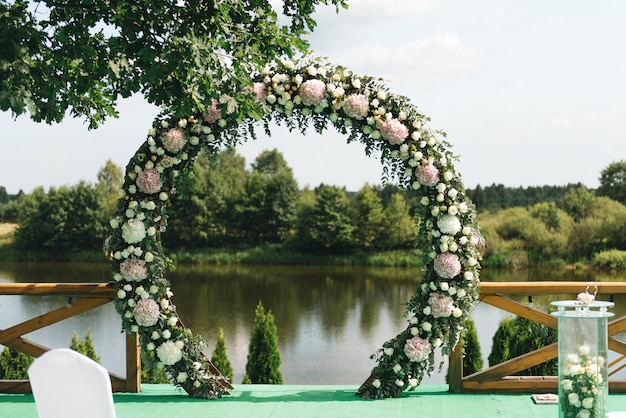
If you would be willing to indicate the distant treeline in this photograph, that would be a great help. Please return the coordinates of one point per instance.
(221, 204)
(499, 196)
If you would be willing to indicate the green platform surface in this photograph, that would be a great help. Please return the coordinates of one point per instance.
(282, 401)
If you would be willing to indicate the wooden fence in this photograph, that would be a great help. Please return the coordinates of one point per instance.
(81, 298)
(500, 377)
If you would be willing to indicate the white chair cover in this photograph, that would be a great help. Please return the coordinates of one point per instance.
(67, 384)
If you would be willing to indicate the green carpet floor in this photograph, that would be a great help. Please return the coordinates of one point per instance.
(290, 401)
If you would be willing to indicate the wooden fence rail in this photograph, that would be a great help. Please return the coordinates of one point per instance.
(82, 297)
(500, 377)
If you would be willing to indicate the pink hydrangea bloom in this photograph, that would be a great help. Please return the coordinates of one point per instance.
(417, 349)
(312, 92)
(356, 106)
(447, 265)
(133, 270)
(174, 140)
(213, 113)
(427, 174)
(260, 91)
(441, 306)
(394, 131)
(149, 181)
(146, 312)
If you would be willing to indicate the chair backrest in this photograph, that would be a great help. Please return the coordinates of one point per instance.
(68, 384)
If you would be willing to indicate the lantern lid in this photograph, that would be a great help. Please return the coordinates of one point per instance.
(576, 308)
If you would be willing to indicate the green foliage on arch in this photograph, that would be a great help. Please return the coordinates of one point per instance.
(301, 95)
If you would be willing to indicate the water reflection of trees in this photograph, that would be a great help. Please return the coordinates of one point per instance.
(209, 297)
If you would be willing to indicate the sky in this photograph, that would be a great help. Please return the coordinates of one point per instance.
(529, 93)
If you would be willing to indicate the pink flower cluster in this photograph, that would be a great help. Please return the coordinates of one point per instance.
(441, 306)
(356, 106)
(260, 92)
(417, 349)
(213, 113)
(447, 265)
(427, 174)
(174, 140)
(133, 270)
(312, 92)
(394, 131)
(146, 312)
(149, 181)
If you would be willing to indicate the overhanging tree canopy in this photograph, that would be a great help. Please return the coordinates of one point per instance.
(81, 56)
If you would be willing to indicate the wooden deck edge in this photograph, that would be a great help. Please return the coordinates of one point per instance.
(527, 384)
(15, 386)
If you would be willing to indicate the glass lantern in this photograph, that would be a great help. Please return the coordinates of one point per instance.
(583, 352)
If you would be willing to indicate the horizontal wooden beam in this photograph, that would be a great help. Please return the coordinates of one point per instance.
(49, 318)
(63, 289)
(548, 288)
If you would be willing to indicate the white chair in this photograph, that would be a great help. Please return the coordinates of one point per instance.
(67, 384)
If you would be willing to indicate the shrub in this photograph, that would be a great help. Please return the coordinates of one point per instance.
(263, 365)
(84, 347)
(472, 354)
(150, 372)
(516, 336)
(14, 365)
(612, 259)
(220, 358)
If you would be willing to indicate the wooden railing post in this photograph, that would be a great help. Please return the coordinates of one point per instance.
(455, 369)
(133, 363)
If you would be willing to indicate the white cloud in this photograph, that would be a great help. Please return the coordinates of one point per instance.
(560, 122)
(442, 55)
(377, 9)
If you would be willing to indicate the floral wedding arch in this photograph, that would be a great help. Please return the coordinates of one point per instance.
(300, 94)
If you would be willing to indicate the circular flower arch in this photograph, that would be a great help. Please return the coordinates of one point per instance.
(309, 92)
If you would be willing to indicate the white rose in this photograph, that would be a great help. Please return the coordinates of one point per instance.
(427, 326)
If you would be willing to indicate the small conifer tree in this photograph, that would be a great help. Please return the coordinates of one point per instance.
(472, 358)
(220, 358)
(516, 336)
(84, 347)
(263, 365)
(14, 365)
(150, 373)
(472, 354)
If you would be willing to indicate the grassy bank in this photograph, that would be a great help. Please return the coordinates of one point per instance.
(272, 255)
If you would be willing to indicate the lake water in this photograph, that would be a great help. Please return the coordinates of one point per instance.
(329, 319)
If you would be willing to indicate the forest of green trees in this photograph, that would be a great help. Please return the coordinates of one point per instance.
(223, 204)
